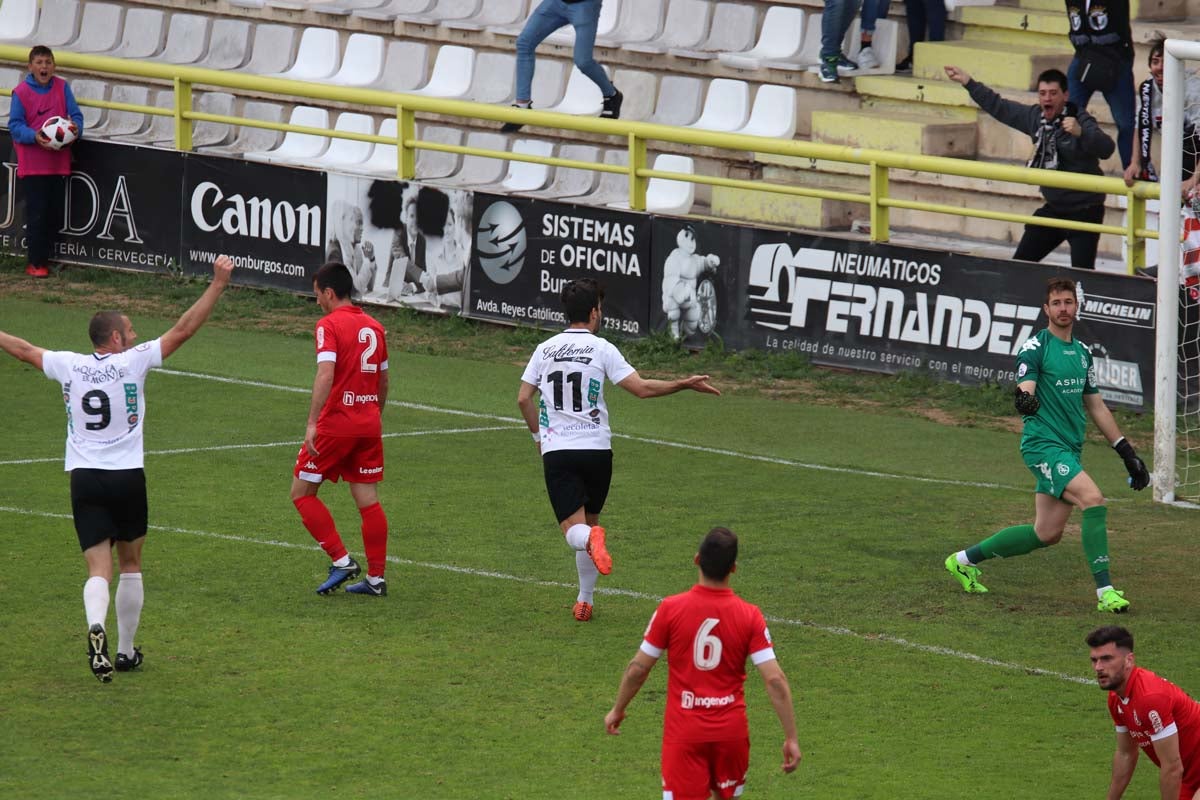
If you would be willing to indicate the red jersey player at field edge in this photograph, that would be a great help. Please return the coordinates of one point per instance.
(708, 633)
(1150, 714)
(343, 438)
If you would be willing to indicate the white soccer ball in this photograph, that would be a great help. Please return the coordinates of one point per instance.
(58, 131)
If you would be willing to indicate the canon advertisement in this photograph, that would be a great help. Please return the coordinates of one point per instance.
(122, 207)
(893, 309)
(269, 219)
(525, 250)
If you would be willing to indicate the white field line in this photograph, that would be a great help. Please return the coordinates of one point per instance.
(479, 573)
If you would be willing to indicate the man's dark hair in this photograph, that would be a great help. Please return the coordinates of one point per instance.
(718, 552)
(40, 50)
(1054, 76)
(1059, 285)
(103, 323)
(579, 297)
(1119, 636)
(1158, 46)
(335, 275)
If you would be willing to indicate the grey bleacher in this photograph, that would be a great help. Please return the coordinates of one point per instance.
(252, 140)
(187, 39)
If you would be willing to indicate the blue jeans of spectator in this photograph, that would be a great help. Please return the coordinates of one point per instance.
(551, 15)
(835, 21)
(1120, 101)
(873, 10)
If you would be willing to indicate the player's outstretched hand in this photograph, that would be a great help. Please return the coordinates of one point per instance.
(699, 383)
(1139, 476)
(612, 722)
(223, 267)
(1027, 404)
(957, 75)
(791, 755)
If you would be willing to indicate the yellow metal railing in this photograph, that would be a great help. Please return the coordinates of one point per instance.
(637, 135)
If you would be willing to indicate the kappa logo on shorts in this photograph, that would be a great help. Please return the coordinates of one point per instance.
(1063, 469)
(310, 465)
(1044, 468)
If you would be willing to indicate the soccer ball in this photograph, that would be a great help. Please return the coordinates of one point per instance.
(58, 131)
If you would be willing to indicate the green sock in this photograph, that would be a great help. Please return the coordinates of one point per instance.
(1015, 541)
(1095, 543)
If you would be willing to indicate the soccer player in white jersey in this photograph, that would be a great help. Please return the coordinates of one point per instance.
(570, 425)
(106, 407)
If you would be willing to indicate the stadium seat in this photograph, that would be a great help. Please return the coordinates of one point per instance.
(432, 164)
(680, 99)
(348, 152)
(640, 90)
(18, 19)
(383, 157)
(885, 43)
(686, 27)
(405, 66)
(581, 98)
(90, 89)
(732, 30)
(125, 123)
(57, 24)
(612, 187)
(494, 13)
(781, 37)
(317, 58)
(229, 45)
(187, 39)
(565, 36)
(99, 28)
(161, 129)
(287, 5)
(493, 81)
(664, 196)
(477, 170)
(207, 134)
(726, 106)
(144, 34)
(639, 21)
(523, 176)
(810, 50)
(9, 77)
(246, 3)
(443, 11)
(774, 113)
(363, 64)
(568, 182)
(395, 8)
(274, 48)
(452, 72)
(299, 148)
(253, 140)
(342, 8)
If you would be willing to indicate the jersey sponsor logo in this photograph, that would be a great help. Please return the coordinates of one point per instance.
(1156, 722)
(255, 217)
(370, 470)
(320, 336)
(690, 700)
(580, 426)
(570, 353)
(108, 374)
(350, 398)
(726, 784)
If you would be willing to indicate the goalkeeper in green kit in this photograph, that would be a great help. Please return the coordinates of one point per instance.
(1056, 386)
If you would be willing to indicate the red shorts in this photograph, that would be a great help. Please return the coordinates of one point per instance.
(357, 459)
(694, 770)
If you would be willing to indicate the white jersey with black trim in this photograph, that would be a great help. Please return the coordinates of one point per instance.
(569, 370)
(106, 404)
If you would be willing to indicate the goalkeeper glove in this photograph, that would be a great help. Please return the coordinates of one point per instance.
(1139, 476)
(1026, 403)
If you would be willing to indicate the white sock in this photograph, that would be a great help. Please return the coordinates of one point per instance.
(371, 579)
(95, 600)
(587, 576)
(961, 555)
(1100, 592)
(129, 610)
(577, 536)
(344, 561)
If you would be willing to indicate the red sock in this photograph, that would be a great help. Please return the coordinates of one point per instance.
(316, 517)
(374, 533)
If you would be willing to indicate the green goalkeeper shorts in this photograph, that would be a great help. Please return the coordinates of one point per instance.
(1053, 467)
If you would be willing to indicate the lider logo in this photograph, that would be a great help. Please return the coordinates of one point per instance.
(500, 242)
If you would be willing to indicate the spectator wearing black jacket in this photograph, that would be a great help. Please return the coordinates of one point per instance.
(1103, 63)
(1065, 138)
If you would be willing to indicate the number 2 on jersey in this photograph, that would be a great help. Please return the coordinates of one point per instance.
(576, 381)
(367, 336)
(706, 649)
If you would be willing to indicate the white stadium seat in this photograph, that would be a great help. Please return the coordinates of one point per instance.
(405, 66)
(395, 8)
(187, 39)
(726, 107)
(639, 21)
(433, 164)
(774, 113)
(253, 140)
(732, 30)
(363, 64)
(299, 148)
(498, 13)
(144, 34)
(582, 98)
(453, 70)
(229, 45)
(524, 176)
(318, 57)
(477, 170)
(781, 37)
(569, 182)
(612, 187)
(348, 152)
(273, 51)
(18, 19)
(680, 99)
(665, 196)
(565, 36)
(99, 28)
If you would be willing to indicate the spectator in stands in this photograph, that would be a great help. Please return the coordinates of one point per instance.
(926, 23)
(1103, 62)
(835, 21)
(584, 17)
(42, 169)
(872, 10)
(1149, 119)
(1065, 138)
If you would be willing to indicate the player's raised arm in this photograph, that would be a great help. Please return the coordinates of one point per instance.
(21, 349)
(641, 387)
(198, 314)
(781, 698)
(631, 683)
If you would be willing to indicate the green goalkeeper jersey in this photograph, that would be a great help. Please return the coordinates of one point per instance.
(1064, 373)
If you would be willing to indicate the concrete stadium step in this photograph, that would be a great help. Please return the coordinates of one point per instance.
(998, 65)
(908, 133)
(1017, 19)
(1138, 9)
